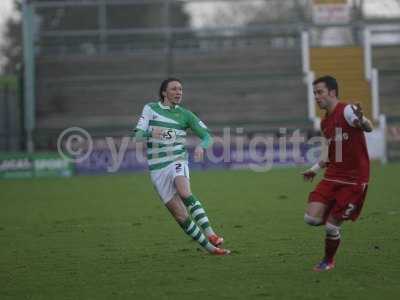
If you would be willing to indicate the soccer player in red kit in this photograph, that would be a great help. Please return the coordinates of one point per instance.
(340, 195)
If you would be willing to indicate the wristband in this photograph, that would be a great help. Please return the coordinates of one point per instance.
(315, 168)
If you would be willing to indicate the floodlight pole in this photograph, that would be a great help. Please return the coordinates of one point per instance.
(102, 24)
(29, 73)
(168, 36)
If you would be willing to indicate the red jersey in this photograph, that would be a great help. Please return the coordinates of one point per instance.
(348, 154)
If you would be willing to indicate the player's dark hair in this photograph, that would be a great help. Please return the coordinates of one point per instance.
(330, 83)
(164, 85)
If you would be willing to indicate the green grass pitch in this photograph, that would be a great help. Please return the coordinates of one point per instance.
(109, 237)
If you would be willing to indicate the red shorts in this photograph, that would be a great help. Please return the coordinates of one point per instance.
(345, 201)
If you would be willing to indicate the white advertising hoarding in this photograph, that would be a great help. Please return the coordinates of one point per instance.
(331, 12)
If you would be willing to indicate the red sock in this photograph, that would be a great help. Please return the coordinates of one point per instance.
(331, 247)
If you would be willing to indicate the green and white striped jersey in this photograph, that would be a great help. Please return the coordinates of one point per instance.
(174, 122)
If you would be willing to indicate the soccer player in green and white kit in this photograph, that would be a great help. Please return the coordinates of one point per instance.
(163, 124)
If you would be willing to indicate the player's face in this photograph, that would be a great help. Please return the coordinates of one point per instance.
(322, 95)
(174, 92)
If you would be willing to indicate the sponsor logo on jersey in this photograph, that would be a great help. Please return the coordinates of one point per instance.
(168, 134)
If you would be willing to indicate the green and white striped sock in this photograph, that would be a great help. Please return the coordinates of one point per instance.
(198, 214)
(194, 231)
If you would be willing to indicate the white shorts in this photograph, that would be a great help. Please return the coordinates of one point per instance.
(163, 180)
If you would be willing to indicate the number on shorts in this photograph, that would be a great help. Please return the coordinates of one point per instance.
(178, 167)
(349, 210)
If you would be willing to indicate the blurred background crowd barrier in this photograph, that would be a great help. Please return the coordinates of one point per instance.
(244, 64)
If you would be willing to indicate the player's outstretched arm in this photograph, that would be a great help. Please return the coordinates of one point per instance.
(201, 131)
(361, 121)
(206, 142)
(309, 174)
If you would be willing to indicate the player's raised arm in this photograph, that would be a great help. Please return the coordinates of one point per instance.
(355, 117)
